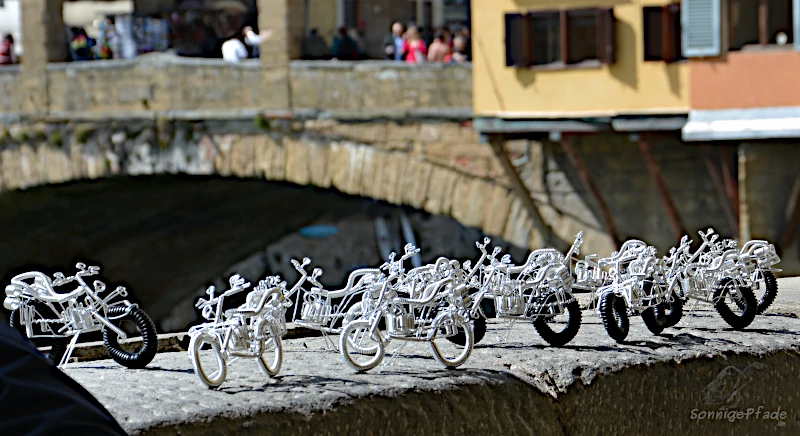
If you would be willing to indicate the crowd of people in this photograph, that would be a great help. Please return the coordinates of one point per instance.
(403, 44)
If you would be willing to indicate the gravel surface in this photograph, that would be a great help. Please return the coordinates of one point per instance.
(315, 379)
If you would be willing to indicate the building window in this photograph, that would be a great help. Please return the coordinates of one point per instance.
(560, 38)
(662, 33)
(759, 22)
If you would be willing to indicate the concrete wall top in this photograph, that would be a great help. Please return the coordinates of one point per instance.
(166, 85)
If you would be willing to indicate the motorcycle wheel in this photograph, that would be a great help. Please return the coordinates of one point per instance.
(560, 338)
(138, 358)
(614, 315)
(745, 300)
(353, 347)
(201, 368)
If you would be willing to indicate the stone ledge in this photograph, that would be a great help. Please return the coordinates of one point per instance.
(513, 383)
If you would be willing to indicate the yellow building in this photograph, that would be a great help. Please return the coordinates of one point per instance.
(577, 59)
(557, 70)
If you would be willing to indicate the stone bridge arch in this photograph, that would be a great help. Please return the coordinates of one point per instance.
(436, 166)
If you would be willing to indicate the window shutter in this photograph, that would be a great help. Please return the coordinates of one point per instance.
(701, 22)
(667, 45)
(606, 35)
(796, 12)
(526, 34)
(514, 47)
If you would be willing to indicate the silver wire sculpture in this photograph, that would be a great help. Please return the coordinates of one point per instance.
(445, 304)
(252, 330)
(538, 291)
(429, 304)
(38, 311)
(722, 274)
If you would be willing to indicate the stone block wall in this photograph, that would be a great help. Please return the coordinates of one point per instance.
(436, 166)
(161, 85)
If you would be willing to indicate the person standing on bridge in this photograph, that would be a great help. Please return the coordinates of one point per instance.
(234, 49)
(7, 51)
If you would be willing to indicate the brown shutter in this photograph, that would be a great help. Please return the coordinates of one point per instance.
(563, 23)
(527, 37)
(667, 34)
(606, 35)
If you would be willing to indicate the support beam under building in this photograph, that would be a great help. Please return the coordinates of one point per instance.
(518, 187)
(716, 179)
(661, 185)
(592, 189)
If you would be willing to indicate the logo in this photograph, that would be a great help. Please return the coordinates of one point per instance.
(723, 400)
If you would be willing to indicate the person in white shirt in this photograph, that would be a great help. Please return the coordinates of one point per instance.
(234, 49)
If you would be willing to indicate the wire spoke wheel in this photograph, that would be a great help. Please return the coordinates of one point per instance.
(360, 348)
(447, 352)
(271, 357)
(207, 360)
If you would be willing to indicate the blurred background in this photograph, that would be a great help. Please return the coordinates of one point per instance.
(175, 143)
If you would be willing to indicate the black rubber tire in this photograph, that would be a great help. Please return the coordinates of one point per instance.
(673, 312)
(478, 332)
(15, 324)
(654, 319)
(770, 293)
(58, 346)
(614, 315)
(559, 339)
(749, 305)
(138, 359)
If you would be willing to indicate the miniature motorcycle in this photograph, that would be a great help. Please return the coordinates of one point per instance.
(540, 292)
(591, 274)
(253, 330)
(436, 312)
(759, 257)
(319, 310)
(38, 311)
(635, 289)
(716, 274)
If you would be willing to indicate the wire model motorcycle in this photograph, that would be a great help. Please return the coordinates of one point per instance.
(591, 273)
(253, 330)
(38, 311)
(415, 281)
(318, 310)
(538, 291)
(716, 274)
(759, 257)
(635, 288)
(430, 314)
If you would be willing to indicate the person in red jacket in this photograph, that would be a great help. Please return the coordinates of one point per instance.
(7, 50)
(414, 47)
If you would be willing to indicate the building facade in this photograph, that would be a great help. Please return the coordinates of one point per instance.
(691, 104)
